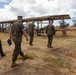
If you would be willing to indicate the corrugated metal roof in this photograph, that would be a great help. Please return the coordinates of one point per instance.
(42, 18)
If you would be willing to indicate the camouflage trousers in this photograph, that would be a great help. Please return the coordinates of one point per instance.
(1, 50)
(31, 38)
(50, 38)
(17, 50)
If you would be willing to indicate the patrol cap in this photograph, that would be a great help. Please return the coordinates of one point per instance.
(20, 16)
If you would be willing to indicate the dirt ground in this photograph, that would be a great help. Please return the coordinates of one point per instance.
(59, 60)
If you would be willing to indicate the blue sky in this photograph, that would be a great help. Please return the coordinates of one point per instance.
(4, 2)
(10, 9)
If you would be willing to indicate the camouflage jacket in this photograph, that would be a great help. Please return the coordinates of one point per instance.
(50, 30)
(31, 28)
(17, 30)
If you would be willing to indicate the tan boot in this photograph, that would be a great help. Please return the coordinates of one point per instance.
(14, 64)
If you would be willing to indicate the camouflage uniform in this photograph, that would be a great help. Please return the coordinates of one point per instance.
(1, 50)
(50, 30)
(17, 31)
(31, 32)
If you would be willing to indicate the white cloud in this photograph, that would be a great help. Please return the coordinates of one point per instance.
(3, 1)
(33, 8)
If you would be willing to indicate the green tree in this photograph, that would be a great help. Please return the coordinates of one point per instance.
(74, 21)
(63, 26)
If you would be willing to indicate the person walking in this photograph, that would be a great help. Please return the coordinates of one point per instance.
(16, 32)
(50, 31)
(31, 32)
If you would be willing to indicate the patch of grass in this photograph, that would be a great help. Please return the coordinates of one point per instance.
(68, 65)
(27, 56)
(48, 58)
(5, 65)
(37, 67)
(59, 62)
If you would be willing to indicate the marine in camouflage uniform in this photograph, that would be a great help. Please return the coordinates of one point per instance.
(50, 30)
(1, 50)
(17, 30)
(31, 32)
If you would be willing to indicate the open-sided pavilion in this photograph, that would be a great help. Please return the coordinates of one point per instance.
(4, 24)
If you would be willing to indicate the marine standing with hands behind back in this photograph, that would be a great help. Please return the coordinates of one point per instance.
(50, 31)
(16, 32)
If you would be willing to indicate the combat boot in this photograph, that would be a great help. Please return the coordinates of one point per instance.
(2, 55)
(50, 46)
(23, 57)
(30, 44)
(47, 45)
(14, 64)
